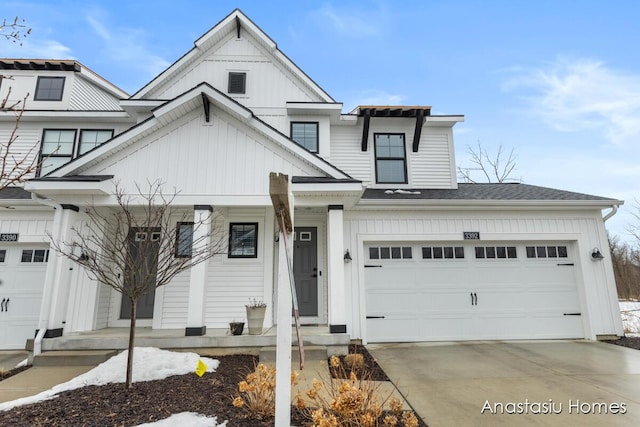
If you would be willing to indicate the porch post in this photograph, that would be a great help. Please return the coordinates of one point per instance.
(198, 281)
(335, 250)
(61, 274)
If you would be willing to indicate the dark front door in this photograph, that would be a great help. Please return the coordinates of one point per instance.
(143, 250)
(305, 269)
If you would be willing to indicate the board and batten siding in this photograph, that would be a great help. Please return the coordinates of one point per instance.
(595, 280)
(269, 85)
(431, 167)
(224, 158)
(32, 227)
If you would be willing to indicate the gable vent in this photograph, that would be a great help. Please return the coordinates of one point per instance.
(237, 82)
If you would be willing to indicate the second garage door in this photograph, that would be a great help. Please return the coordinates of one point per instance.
(441, 291)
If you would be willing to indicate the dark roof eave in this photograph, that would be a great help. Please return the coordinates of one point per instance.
(74, 178)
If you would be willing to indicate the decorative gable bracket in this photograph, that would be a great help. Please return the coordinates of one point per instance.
(207, 107)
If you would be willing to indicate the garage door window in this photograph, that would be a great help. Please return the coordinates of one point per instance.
(35, 255)
(3, 254)
(547, 252)
(443, 252)
(394, 252)
(496, 252)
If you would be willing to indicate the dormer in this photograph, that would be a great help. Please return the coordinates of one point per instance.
(56, 85)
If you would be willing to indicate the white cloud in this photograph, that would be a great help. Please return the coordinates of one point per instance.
(126, 45)
(374, 97)
(573, 95)
(354, 22)
(35, 48)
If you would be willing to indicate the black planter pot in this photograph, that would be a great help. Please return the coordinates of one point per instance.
(236, 328)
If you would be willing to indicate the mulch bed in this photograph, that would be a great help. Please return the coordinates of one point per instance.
(370, 370)
(112, 405)
(631, 342)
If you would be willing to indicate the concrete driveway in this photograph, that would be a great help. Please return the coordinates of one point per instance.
(541, 383)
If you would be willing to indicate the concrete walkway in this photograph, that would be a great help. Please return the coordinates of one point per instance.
(577, 383)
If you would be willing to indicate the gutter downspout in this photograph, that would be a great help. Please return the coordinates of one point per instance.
(46, 295)
(614, 210)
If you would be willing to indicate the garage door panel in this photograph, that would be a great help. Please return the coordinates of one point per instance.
(472, 298)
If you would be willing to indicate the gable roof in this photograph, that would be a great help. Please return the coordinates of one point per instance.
(236, 21)
(197, 97)
(489, 193)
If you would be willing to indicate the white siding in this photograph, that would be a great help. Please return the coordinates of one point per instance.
(431, 167)
(85, 96)
(31, 226)
(223, 158)
(595, 280)
(233, 281)
(175, 302)
(346, 153)
(102, 309)
(268, 86)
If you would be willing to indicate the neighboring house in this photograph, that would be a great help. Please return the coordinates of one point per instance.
(388, 245)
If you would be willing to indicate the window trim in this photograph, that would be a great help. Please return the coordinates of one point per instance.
(177, 251)
(79, 143)
(42, 157)
(231, 225)
(244, 82)
(291, 124)
(37, 98)
(404, 158)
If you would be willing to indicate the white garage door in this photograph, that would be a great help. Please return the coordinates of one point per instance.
(22, 271)
(462, 291)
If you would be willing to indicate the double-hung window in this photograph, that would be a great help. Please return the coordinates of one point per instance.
(243, 240)
(305, 134)
(184, 239)
(391, 166)
(57, 148)
(49, 89)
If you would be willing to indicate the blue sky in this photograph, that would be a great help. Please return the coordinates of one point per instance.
(558, 81)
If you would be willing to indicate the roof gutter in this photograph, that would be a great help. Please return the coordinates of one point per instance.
(612, 212)
(43, 320)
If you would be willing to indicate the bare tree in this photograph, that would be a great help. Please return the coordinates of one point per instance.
(492, 168)
(15, 165)
(140, 244)
(15, 31)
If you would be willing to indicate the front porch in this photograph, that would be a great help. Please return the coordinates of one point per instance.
(118, 339)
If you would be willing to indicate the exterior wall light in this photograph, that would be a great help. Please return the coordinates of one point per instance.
(596, 255)
(347, 256)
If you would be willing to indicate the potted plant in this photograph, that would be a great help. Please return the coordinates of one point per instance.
(255, 316)
(236, 328)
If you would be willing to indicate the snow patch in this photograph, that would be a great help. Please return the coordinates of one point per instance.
(401, 192)
(186, 419)
(149, 364)
(630, 312)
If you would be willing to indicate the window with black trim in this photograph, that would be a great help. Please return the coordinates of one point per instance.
(91, 138)
(443, 252)
(243, 240)
(34, 255)
(496, 252)
(3, 255)
(237, 82)
(547, 252)
(184, 239)
(305, 134)
(57, 148)
(390, 152)
(49, 89)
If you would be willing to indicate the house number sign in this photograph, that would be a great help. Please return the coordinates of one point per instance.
(471, 235)
(8, 237)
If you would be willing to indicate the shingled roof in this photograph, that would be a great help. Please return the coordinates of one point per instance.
(14, 193)
(483, 192)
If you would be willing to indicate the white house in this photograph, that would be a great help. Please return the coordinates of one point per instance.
(389, 246)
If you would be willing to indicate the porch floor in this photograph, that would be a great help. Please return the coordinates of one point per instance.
(219, 339)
